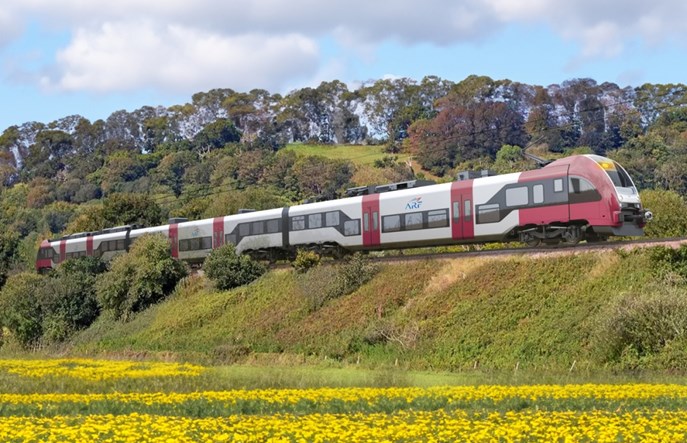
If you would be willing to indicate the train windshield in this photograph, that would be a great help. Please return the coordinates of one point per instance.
(620, 178)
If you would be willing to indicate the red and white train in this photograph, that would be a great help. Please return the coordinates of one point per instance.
(584, 197)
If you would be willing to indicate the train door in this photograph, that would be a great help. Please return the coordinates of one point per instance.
(462, 225)
(371, 229)
(218, 232)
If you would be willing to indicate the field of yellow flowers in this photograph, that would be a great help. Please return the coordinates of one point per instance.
(88, 400)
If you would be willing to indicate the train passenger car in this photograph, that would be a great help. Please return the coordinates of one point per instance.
(572, 199)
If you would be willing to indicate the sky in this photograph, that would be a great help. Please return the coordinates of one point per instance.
(66, 57)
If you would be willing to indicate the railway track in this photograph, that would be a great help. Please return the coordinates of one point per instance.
(408, 255)
(538, 251)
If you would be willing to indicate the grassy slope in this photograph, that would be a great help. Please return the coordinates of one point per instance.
(358, 154)
(450, 314)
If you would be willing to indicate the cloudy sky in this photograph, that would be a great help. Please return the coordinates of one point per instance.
(64, 57)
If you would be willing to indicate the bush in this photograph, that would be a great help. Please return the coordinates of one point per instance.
(329, 282)
(670, 213)
(139, 278)
(639, 328)
(70, 297)
(305, 260)
(21, 309)
(669, 263)
(228, 270)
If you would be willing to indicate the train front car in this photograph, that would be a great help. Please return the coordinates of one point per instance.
(602, 201)
(620, 199)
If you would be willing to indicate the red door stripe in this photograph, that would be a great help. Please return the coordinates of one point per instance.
(462, 226)
(89, 245)
(218, 232)
(371, 236)
(63, 250)
(174, 239)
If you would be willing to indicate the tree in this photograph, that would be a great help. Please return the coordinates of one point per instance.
(70, 302)
(9, 244)
(228, 270)
(21, 310)
(125, 209)
(47, 156)
(322, 178)
(139, 278)
(216, 135)
(464, 132)
(172, 170)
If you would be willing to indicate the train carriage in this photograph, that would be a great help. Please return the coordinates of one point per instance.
(576, 198)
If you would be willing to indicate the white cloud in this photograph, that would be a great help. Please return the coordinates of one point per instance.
(185, 46)
(9, 28)
(131, 55)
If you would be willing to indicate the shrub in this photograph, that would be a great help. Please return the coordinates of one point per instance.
(670, 213)
(305, 260)
(70, 297)
(139, 278)
(21, 309)
(329, 282)
(642, 327)
(670, 263)
(227, 269)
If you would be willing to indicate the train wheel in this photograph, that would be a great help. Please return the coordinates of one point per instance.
(533, 242)
(572, 236)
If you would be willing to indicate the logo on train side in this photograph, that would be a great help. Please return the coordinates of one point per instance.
(415, 203)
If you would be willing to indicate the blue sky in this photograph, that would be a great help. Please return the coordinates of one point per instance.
(65, 57)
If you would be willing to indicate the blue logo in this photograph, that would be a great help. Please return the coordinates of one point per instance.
(414, 203)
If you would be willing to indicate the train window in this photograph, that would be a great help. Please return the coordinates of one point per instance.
(488, 213)
(558, 185)
(314, 221)
(272, 226)
(103, 246)
(375, 221)
(183, 245)
(579, 185)
(351, 227)
(517, 196)
(391, 223)
(538, 194)
(244, 229)
(298, 223)
(121, 245)
(230, 238)
(456, 210)
(581, 191)
(257, 228)
(468, 210)
(194, 244)
(413, 220)
(332, 218)
(206, 243)
(437, 219)
(366, 222)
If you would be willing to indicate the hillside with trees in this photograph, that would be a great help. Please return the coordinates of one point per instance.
(228, 150)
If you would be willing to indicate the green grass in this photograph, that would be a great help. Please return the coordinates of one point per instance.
(358, 154)
(520, 314)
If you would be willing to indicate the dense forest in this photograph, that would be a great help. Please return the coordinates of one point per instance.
(223, 151)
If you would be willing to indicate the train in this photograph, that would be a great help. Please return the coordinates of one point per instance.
(581, 197)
